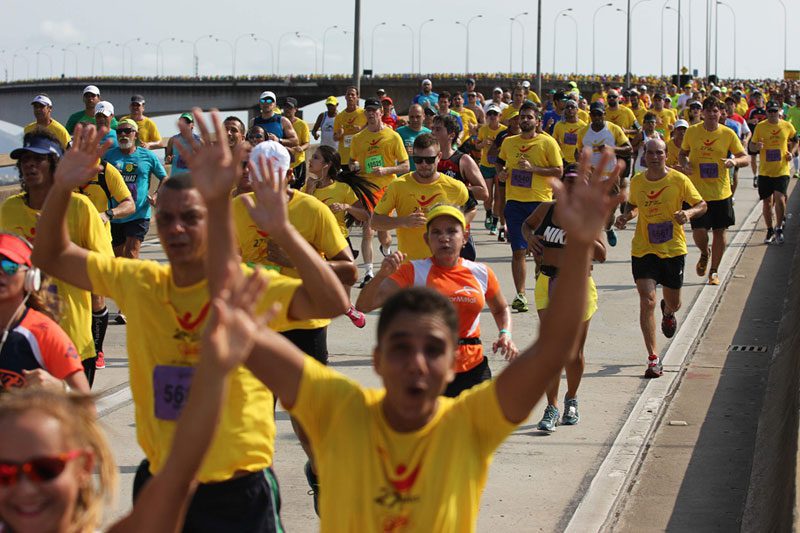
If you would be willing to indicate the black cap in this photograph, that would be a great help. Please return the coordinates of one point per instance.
(597, 106)
(291, 102)
(372, 103)
(430, 111)
(773, 105)
(658, 96)
(137, 99)
(471, 81)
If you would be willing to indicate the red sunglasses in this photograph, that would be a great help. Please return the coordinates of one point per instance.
(38, 469)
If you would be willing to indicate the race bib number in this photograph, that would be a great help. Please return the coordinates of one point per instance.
(773, 155)
(521, 178)
(661, 232)
(171, 389)
(373, 162)
(709, 170)
(347, 140)
(571, 139)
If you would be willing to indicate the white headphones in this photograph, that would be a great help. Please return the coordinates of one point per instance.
(33, 276)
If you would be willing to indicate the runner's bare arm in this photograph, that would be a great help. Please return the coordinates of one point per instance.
(289, 135)
(381, 287)
(344, 267)
(582, 214)
(54, 252)
(502, 317)
(477, 185)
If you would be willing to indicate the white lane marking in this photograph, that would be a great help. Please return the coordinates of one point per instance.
(114, 401)
(616, 470)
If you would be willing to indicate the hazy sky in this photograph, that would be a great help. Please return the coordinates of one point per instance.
(60, 23)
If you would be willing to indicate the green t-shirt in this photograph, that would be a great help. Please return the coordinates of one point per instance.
(81, 117)
(793, 116)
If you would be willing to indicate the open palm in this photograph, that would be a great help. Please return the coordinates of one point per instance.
(269, 211)
(81, 162)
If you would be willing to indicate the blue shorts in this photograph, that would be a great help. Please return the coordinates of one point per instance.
(516, 213)
(488, 172)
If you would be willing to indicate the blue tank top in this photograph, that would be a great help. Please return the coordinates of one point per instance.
(271, 125)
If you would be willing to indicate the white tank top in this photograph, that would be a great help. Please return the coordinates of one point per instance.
(326, 135)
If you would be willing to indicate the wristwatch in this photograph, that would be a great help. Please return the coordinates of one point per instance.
(110, 214)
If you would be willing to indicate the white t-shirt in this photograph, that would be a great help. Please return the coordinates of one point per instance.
(598, 138)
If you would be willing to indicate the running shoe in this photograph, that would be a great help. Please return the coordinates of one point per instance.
(101, 361)
(611, 236)
(520, 303)
(571, 416)
(713, 279)
(487, 222)
(550, 419)
(501, 235)
(668, 322)
(120, 319)
(388, 251)
(654, 367)
(493, 229)
(770, 238)
(358, 318)
(702, 265)
(779, 236)
(313, 482)
(367, 279)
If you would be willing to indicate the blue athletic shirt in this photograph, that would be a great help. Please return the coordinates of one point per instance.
(271, 125)
(408, 135)
(136, 170)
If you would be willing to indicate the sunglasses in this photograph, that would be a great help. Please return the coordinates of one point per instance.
(428, 160)
(256, 136)
(38, 469)
(267, 101)
(9, 267)
(125, 131)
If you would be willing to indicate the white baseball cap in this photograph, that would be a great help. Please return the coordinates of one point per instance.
(105, 108)
(91, 89)
(272, 151)
(268, 94)
(497, 90)
(526, 84)
(680, 124)
(426, 80)
(42, 99)
(493, 107)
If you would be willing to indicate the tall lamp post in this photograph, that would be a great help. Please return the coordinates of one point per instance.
(785, 35)
(419, 47)
(628, 41)
(511, 41)
(64, 64)
(733, 13)
(567, 15)
(49, 59)
(271, 53)
(314, 43)
(324, 36)
(372, 49)
(14, 57)
(594, 30)
(555, 23)
(663, 9)
(411, 31)
(280, 42)
(195, 56)
(467, 25)
(236, 46)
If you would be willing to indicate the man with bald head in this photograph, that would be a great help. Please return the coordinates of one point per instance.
(412, 130)
(658, 249)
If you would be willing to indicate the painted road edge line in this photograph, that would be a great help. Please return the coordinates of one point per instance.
(114, 401)
(615, 472)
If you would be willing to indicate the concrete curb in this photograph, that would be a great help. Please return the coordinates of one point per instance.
(611, 483)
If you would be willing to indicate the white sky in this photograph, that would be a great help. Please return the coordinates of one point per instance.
(58, 23)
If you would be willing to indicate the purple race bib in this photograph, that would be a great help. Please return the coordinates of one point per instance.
(709, 170)
(521, 178)
(659, 233)
(171, 389)
(571, 138)
(773, 155)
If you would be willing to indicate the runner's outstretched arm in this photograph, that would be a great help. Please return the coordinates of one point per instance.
(582, 213)
(54, 252)
(227, 340)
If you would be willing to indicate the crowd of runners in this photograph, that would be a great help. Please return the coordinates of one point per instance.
(256, 224)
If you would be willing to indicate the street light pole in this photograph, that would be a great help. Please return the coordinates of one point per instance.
(314, 42)
(50, 59)
(678, 63)
(280, 41)
(356, 46)
(27, 63)
(411, 30)
(419, 48)
(576, 38)
(511, 41)
(785, 36)
(195, 57)
(236, 46)
(271, 53)
(64, 64)
(594, 30)
(555, 33)
(628, 47)
(733, 13)
(716, 40)
(372, 49)
(539, 48)
(663, 9)
(324, 36)
(468, 23)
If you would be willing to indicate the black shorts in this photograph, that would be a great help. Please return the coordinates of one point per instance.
(466, 380)
(768, 185)
(720, 215)
(120, 231)
(314, 342)
(666, 271)
(89, 369)
(248, 503)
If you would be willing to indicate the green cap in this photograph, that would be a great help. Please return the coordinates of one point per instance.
(188, 116)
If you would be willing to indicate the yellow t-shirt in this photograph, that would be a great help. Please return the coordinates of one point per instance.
(315, 223)
(485, 132)
(165, 325)
(656, 230)
(505, 114)
(583, 116)
(382, 149)
(148, 131)
(772, 158)
(86, 229)
(742, 107)
(566, 135)
(533, 97)
(673, 151)
(524, 185)
(56, 128)
(352, 122)
(598, 96)
(639, 113)
(469, 121)
(664, 119)
(303, 136)
(336, 193)
(116, 186)
(406, 195)
(426, 480)
(707, 150)
(621, 116)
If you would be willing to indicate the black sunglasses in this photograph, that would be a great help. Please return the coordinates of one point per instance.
(428, 160)
(125, 131)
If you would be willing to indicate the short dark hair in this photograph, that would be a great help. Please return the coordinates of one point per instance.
(236, 119)
(445, 95)
(425, 140)
(711, 102)
(351, 87)
(179, 182)
(419, 301)
(450, 124)
(649, 116)
(529, 105)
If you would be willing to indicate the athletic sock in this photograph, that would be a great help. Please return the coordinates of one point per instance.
(368, 269)
(99, 327)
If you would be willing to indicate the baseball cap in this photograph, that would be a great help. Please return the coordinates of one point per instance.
(612, 92)
(331, 100)
(42, 99)
(569, 102)
(372, 103)
(658, 96)
(91, 89)
(471, 81)
(38, 145)
(137, 99)
(268, 94)
(387, 99)
(446, 210)
(272, 151)
(15, 248)
(512, 114)
(643, 87)
(633, 92)
(426, 80)
(493, 109)
(187, 116)
(128, 122)
(106, 108)
(381, 91)
(773, 105)
(497, 90)
(526, 84)
(573, 85)
(291, 102)
(696, 105)
(680, 124)
(685, 85)
(597, 106)
(430, 111)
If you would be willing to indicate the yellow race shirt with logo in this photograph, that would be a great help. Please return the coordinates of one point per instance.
(639, 113)
(406, 195)
(469, 120)
(524, 185)
(707, 151)
(352, 122)
(430, 479)
(303, 136)
(742, 107)
(533, 97)
(484, 133)
(315, 223)
(621, 116)
(664, 120)
(148, 131)
(378, 149)
(598, 96)
(56, 128)
(336, 193)
(773, 160)
(673, 151)
(86, 229)
(165, 326)
(566, 135)
(657, 232)
(583, 116)
(95, 193)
